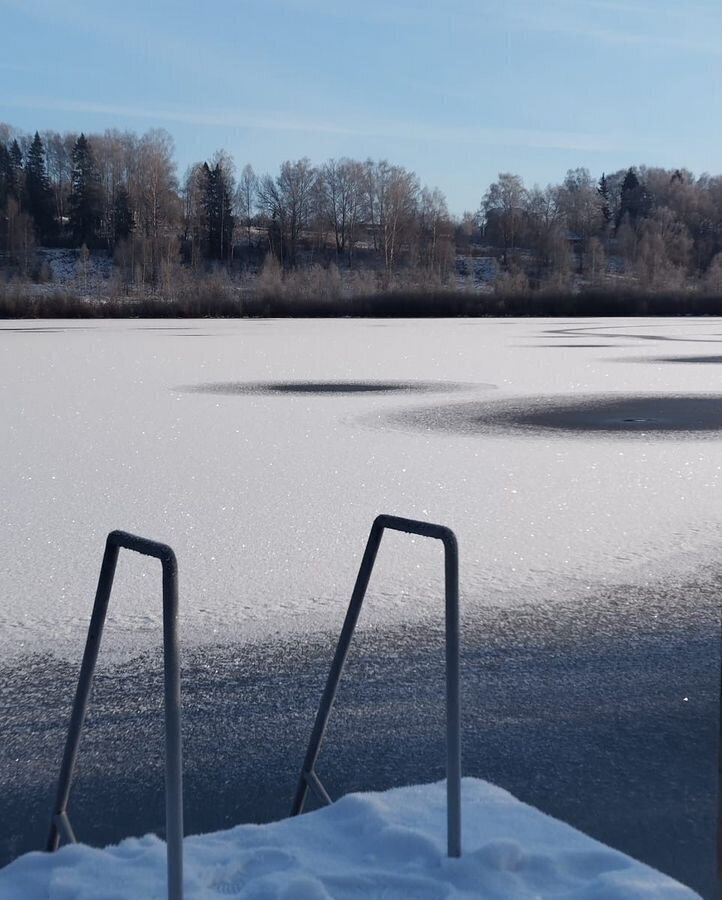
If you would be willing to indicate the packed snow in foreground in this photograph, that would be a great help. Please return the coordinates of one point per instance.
(389, 845)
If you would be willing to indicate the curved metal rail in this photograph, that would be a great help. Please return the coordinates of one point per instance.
(60, 823)
(309, 778)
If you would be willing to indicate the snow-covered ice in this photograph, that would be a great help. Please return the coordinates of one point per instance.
(387, 845)
(267, 497)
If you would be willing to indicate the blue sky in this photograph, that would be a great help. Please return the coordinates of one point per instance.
(456, 90)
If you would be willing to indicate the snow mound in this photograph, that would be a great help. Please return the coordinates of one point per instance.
(388, 845)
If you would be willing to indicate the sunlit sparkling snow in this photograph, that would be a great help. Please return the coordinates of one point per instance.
(382, 846)
(262, 450)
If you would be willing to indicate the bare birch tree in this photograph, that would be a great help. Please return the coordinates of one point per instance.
(246, 194)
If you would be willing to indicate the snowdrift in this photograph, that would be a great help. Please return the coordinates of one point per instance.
(387, 845)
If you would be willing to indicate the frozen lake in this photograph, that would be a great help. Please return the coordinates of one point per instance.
(577, 461)
(180, 431)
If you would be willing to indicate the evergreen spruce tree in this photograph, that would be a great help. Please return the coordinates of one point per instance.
(630, 183)
(634, 200)
(603, 191)
(38, 192)
(218, 213)
(85, 201)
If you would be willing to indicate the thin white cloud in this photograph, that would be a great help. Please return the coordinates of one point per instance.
(658, 9)
(289, 122)
(639, 28)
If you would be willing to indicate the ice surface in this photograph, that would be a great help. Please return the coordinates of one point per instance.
(267, 497)
(381, 845)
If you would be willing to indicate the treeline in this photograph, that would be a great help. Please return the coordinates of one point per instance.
(646, 228)
(120, 192)
(659, 228)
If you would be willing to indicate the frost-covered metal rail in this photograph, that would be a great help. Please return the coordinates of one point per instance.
(309, 778)
(60, 823)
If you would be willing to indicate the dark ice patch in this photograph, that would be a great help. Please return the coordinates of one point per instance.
(699, 360)
(592, 332)
(330, 387)
(42, 330)
(557, 346)
(641, 415)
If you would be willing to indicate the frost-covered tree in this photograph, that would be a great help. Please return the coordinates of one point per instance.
(246, 193)
(154, 187)
(4, 175)
(502, 206)
(580, 203)
(664, 251)
(286, 202)
(435, 234)
(392, 194)
(58, 155)
(15, 173)
(341, 195)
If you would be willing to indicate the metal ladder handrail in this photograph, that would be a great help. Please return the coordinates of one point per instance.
(308, 777)
(60, 823)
